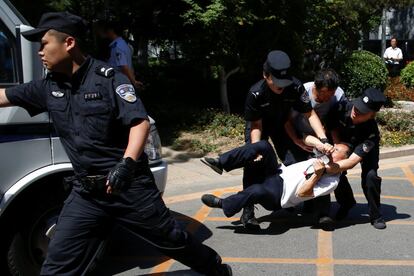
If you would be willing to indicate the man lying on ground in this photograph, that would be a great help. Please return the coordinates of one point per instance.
(280, 187)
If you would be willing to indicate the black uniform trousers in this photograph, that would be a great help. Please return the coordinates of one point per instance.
(267, 186)
(286, 150)
(141, 209)
(370, 182)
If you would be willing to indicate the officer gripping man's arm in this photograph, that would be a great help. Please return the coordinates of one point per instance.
(4, 102)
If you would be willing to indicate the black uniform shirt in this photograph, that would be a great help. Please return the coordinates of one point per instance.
(363, 137)
(92, 113)
(274, 109)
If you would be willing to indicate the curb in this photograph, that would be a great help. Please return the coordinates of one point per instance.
(387, 153)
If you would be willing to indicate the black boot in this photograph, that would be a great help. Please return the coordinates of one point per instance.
(248, 220)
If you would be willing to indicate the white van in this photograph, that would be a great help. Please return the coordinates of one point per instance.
(33, 161)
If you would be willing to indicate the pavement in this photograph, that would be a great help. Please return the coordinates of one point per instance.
(288, 244)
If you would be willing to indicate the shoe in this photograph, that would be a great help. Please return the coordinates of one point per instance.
(213, 163)
(211, 201)
(343, 211)
(379, 223)
(325, 220)
(248, 220)
(221, 270)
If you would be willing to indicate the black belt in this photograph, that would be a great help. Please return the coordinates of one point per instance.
(94, 183)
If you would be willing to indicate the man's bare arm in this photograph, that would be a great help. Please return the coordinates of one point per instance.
(290, 130)
(4, 102)
(343, 165)
(256, 131)
(316, 124)
(306, 189)
(316, 143)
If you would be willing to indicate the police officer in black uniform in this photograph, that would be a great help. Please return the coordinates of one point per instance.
(354, 123)
(103, 126)
(267, 109)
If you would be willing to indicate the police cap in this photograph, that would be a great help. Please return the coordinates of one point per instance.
(371, 101)
(64, 22)
(278, 64)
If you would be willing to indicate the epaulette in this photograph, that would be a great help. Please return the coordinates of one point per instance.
(105, 71)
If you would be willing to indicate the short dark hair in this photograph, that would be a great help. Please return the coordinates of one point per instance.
(326, 78)
(62, 36)
(113, 25)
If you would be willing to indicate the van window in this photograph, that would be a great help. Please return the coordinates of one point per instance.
(7, 63)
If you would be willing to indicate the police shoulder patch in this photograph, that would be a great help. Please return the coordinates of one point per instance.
(126, 92)
(305, 97)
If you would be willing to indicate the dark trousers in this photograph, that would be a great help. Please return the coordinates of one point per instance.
(393, 70)
(267, 187)
(141, 209)
(370, 182)
(286, 150)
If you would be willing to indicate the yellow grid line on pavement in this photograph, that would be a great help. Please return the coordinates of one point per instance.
(408, 173)
(200, 216)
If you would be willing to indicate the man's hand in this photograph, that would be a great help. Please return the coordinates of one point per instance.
(325, 148)
(319, 167)
(120, 177)
(302, 145)
(258, 158)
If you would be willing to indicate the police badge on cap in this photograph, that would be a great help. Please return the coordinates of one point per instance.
(371, 101)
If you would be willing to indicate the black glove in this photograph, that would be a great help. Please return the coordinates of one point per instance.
(120, 177)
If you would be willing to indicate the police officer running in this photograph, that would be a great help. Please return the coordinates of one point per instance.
(103, 127)
(354, 123)
(267, 109)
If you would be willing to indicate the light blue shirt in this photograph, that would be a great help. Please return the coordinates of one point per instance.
(301, 123)
(121, 54)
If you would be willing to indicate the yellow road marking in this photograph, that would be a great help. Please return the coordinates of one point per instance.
(193, 196)
(408, 173)
(200, 216)
(324, 263)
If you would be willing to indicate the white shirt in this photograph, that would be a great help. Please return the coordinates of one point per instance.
(294, 176)
(301, 123)
(395, 53)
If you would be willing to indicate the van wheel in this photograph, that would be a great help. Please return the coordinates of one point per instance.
(28, 248)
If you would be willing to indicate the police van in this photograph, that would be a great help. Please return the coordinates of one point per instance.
(33, 162)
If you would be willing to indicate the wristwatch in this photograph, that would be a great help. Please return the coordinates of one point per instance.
(324, 140)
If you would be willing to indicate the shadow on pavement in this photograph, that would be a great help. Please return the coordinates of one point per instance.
(128, 251)
(282, 221)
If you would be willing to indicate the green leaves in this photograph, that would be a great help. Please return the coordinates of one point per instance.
(361, 71)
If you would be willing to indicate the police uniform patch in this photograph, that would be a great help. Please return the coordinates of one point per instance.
(367, 146)
(305, 97)
(126, 92)
(58, 94)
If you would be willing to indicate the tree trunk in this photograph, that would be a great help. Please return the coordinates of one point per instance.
(142, 51)
(225, 105)
(383, 31)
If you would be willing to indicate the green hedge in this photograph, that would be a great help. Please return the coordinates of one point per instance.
(407, 75)
(363, 70)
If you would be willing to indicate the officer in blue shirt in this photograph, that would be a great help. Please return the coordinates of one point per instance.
(103, 126)
(120, 56)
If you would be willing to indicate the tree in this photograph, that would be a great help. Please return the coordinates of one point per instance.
(228, 34)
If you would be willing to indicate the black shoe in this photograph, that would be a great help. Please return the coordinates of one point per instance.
(325, 220)
(213, 163)
(222, 270)
(379, 223)
(211, 201)
(343, 211)
(248, 220)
